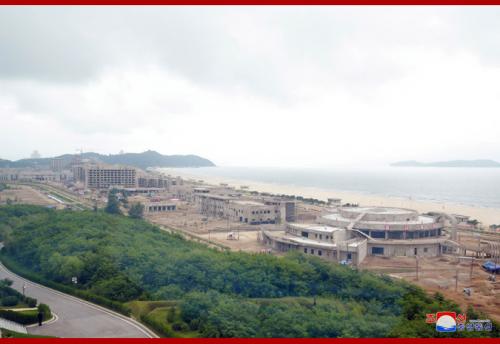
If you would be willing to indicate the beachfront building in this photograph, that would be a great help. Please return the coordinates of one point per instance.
(236, 209)
(287, 209)
(327, 242)
(391, 231)
(252, 212)
(212, 204)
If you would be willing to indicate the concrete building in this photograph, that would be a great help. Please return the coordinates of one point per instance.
(96, 176)
(391, 231)
(330, 243)
(253, 213)
(160, 182)
(236, 209)
(31, 175)
(154, 204)
(287, 208)
(57, 164)
(213, 205)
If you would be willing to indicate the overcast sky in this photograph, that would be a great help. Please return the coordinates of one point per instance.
(248, 86)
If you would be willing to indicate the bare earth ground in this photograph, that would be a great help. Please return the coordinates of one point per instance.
(242, 240)
(27, 195)
(438, 275)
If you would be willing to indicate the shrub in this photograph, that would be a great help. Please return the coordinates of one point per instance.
(31, 302)
(47, 314)
(24, 317)
(10, 301)
(180, 326)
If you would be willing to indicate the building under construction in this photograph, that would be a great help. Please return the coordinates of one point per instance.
(351, 233)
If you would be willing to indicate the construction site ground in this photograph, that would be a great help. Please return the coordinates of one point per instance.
(22, 194)
(438, 274)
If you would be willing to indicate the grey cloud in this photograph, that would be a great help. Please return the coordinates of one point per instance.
(263, 50)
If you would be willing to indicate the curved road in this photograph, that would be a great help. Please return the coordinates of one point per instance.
(75, 317)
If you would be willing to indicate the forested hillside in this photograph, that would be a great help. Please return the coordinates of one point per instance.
(219, 293)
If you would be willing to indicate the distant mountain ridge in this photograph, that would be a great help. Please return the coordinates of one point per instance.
(142, 160)
(451, 163)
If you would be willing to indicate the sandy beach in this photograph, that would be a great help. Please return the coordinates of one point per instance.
(485, 215)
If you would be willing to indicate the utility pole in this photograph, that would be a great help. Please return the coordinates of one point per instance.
(471, 267)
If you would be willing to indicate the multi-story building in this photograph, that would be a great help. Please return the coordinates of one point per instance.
(57, 164)
(160, 182)
(253, 213)
(212, 205)
(103, 176)
(287, 209)
(236, 209)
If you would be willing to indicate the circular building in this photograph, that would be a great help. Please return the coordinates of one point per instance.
(391, 231)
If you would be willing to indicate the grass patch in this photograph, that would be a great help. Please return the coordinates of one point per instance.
(139, 308)
(155, 314)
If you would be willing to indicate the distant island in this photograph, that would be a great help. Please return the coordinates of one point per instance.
(451, 163)
(140, 160)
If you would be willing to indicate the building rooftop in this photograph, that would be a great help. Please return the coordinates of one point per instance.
(315, 227)
(379, 210)
(422, 219)
(245, 202)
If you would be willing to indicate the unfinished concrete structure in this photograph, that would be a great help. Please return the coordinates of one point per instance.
(57, 164)
(330, 243)
(252, 212)
(31, 175)
(100, 176)
(391, 231)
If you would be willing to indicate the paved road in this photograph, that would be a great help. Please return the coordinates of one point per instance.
(76, 318)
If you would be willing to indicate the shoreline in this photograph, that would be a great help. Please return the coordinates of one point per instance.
(486, 215)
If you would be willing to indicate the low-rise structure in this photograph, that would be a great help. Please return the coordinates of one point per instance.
(330, 243)
(154, 204)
